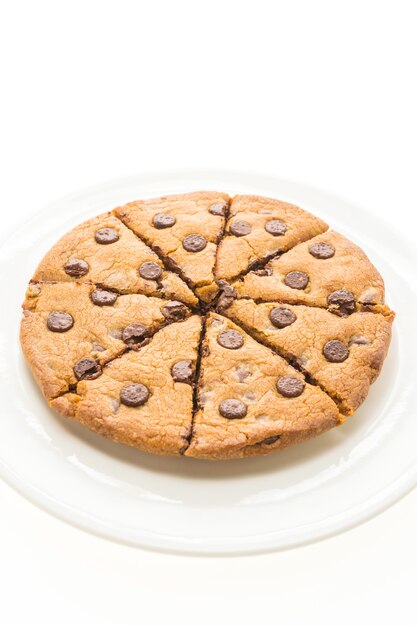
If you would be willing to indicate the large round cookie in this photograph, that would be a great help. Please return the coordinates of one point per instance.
(205, 326)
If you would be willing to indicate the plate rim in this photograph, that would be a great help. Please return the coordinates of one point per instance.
(262, 543)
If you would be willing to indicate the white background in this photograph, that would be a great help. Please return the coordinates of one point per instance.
(321, 92)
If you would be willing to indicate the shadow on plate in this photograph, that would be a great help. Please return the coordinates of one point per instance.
(321, 451)
(195, 469)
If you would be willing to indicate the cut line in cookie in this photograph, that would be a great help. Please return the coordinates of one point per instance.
(168, 293)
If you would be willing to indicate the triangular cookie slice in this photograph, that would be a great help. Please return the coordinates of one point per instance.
(327, 271)
(251, 401)
(103, 251)
(257, 229)
(145, 398)
(70, 330)
(185, 229)
(343, 354)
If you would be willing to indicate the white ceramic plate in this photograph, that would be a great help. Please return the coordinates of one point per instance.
(179, 504)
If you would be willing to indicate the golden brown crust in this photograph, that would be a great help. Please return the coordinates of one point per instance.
(192, 214)
(250, 374)
(366, 335)
(66, 405)
(162, 424)
(237, 253)
(96, 332)
(115, 265)
(349, 269)
(175, 415)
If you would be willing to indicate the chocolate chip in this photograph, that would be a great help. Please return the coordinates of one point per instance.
(296, 280)
(322, 250)
(239, 228)
(227, 295)
(101, 297)
(87, 369)
(96, 347)
(150, 270)
(335, 351)
(290, 387)
(59, 321)
(232, 409)
(281, 317)
(174, 311)
(342, 298)
(76, 267)
(163, 220)
(359, 340)
(242, 373)
(265, 271)
(135, 394)
(276, 227)
(270, 440)
(230, 339)
(218, 209)
(182, 372)
(194, 243)
(224, 302)
(106, 235)
(225, 287)
(134, 335)
(370, 296)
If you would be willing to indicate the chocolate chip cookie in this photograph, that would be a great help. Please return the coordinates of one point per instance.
(344, 355)
(205, 326)
(117, 260)
(258, 229)
(69, 331)
(251, 401)
(136, 399)
(186, 230)
(327, 271)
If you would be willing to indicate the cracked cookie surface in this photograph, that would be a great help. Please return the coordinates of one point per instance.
(327, 271)
(205, 326)
(100, 326)
(250, 400)
(185, 229)
(137, 400)
(121, 261)
(259, 228)
(343, 354)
